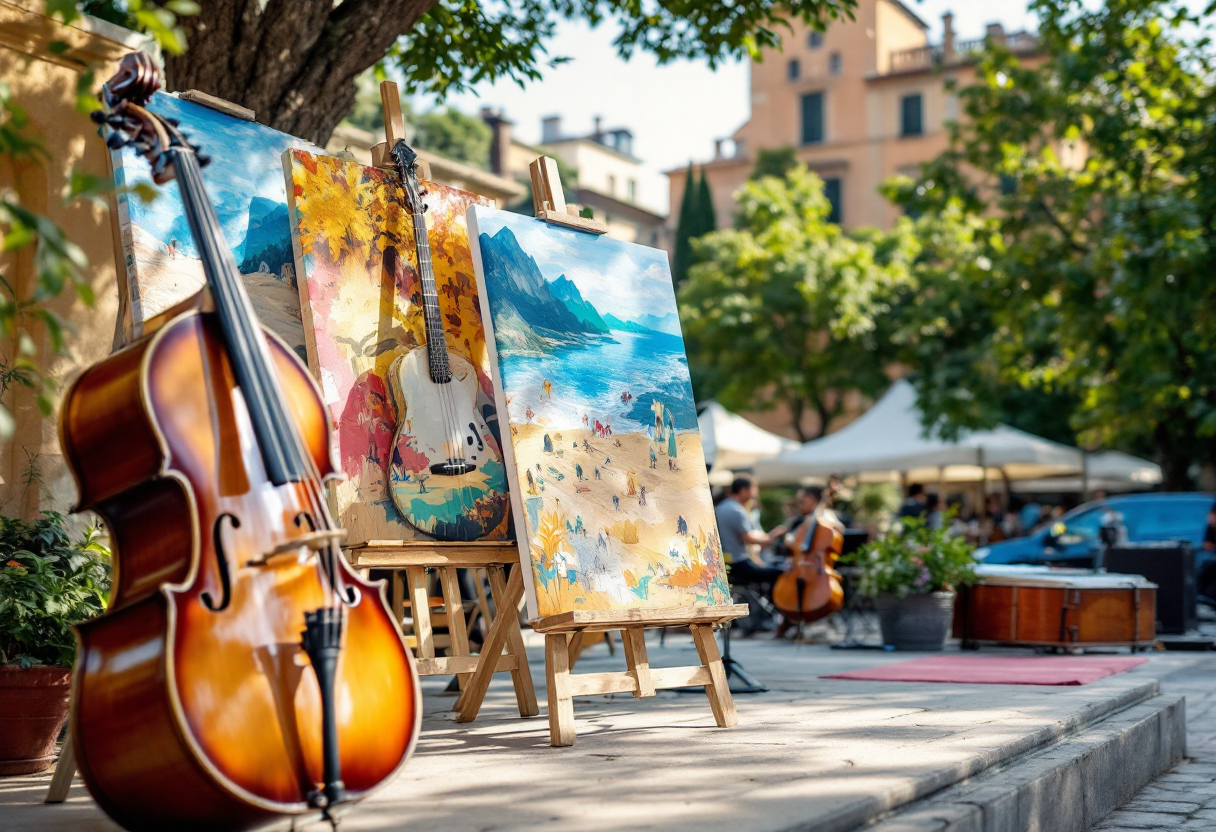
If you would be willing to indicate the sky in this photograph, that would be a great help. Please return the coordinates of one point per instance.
(675, 111)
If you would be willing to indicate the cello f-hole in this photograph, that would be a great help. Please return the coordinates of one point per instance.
(221, 566)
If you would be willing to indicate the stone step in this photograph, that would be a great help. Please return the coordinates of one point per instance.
(1067, 786)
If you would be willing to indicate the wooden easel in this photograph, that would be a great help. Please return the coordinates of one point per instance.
(418, 558)
(565, 634)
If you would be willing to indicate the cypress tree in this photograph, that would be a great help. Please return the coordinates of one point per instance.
(687, 226)
(709, 219)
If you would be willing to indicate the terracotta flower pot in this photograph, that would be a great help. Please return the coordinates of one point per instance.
(33, 708)
(918, 622)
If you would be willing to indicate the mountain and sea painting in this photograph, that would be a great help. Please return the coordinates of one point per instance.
(361, 298)
(604, 460)
(245, 183)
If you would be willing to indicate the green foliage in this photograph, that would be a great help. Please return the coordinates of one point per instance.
(697, 218)
(705, 206)
(874, 503)
(158, 21)
(47, 584)
(787, 308)
(1093, 201)
(775, 161)
(914, 559)
(460, 43)
(453, 134)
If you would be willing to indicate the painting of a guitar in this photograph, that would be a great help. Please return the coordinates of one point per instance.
(447, 474)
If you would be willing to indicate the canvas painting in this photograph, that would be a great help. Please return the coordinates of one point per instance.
(361, 298)
(245, 184)
(604, 459)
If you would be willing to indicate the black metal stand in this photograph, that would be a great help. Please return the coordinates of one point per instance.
(747, 683)
(322, 641)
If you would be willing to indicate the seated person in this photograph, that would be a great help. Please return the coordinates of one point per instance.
(741, 536)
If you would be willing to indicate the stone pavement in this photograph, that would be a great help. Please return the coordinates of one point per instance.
(811, 754)
(1185, 797)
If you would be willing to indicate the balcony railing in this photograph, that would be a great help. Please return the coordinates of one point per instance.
(928, 57)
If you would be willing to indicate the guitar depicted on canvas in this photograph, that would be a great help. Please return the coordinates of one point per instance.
(446, 472)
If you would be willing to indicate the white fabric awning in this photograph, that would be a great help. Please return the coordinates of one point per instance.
(733, 443)
(1111, 471)
(888, 443)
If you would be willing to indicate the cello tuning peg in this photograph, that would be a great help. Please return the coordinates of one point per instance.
(173, 121)
(115, 141)
(203, 160)
(99, 116)
(114, 120)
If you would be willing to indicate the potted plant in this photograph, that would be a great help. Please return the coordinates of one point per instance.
(912, 573)
(47, 584)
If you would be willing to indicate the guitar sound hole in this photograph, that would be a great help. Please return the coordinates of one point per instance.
(453, 469)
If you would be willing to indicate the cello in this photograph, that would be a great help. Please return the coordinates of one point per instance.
(242, 673)
(810, 589)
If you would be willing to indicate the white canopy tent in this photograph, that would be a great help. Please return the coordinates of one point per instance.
(732, 443)
(887, 443)
(1110, 471)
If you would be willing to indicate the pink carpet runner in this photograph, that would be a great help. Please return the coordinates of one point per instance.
(997, 670)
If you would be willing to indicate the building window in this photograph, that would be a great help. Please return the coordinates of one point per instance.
(911, 115)
(831, 189)
(835, 64)
(814, 39)
(632, 189)
(611, 185)
(812, 118)
(792, 70)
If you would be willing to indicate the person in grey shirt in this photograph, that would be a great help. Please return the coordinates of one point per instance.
(737, 530)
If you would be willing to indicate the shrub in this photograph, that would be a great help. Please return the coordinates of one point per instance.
(47, 584)
(914, 559)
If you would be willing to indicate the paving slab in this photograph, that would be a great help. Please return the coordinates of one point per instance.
(811, 754)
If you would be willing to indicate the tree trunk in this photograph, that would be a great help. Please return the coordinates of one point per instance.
(294, 62)
(1174, 458)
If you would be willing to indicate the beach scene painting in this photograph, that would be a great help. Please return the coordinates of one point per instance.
(245, 184)
(604, 460)
(361, 298)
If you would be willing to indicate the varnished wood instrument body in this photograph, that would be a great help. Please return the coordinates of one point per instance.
(186, 717)
(811, 589)
(1057, 613)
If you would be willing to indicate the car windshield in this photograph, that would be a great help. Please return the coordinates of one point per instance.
(1082, 527)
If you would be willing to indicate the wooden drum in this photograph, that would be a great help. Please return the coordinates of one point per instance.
(1033, 606)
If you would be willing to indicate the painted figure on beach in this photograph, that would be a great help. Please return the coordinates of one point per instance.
(586, 344)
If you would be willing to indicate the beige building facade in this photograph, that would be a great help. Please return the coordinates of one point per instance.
(859, 103)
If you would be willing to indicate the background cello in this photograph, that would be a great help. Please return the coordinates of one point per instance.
(242, 671)
(810, 589)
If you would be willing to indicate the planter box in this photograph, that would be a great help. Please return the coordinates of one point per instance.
(33, 708)
(918, 622)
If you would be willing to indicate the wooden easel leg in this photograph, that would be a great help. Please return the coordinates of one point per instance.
(525, 691)
(458, 635)
(396, 585)
(636, 659)
(718, 689)
(420, 604)
(561, 704)
(65, 770)
(469, 703)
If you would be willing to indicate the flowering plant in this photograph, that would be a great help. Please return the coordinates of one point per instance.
(47, 584)
(914, 559)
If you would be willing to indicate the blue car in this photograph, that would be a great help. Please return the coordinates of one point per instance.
(1073, 539)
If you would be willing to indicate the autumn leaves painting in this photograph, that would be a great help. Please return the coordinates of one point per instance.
(361, 301)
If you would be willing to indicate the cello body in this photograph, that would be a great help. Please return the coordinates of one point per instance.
(194, 706)
(810, 589)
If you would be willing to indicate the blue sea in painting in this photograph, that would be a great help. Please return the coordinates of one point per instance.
(594, 318)
(245, 183)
